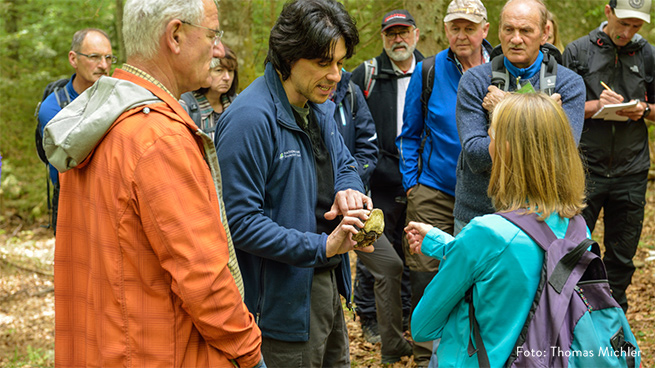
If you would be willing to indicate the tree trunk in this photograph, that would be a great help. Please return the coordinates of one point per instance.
(429, 20)
(236, 18)
(11, 27)
(119, 31)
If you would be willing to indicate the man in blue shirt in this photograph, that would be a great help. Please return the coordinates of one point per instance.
(91, 57)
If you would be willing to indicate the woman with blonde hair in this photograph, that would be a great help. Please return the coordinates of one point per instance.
(537, 168)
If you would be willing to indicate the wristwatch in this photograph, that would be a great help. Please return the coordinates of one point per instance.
(646, 111)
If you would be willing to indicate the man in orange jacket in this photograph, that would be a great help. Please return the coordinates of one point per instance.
(145, 271)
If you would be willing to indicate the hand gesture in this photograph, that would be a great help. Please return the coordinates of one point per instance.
(347, 200)
(340, 240)
(493, 97)
(416, 232)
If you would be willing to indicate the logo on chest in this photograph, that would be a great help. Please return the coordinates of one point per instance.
(289, 154)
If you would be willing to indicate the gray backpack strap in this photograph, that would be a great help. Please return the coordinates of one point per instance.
(499, 74)
(548, 74)
(192, 108)
(353, 100)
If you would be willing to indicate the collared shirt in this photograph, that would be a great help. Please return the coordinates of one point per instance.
(402, 84)
(140, 73)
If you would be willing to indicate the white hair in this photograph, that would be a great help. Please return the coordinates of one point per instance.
(144, 21)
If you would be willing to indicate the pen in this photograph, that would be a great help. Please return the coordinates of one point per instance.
(605, 85)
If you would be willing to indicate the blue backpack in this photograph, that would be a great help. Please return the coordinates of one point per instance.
(57, 87)
(573, 321)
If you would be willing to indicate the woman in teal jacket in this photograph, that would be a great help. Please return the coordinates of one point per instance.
(536, 166)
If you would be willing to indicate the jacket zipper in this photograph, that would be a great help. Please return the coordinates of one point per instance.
(260, 301)
(613, 136)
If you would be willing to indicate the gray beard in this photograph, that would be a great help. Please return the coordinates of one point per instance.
(400, 55)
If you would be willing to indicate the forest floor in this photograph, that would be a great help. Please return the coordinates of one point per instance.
(27, 299)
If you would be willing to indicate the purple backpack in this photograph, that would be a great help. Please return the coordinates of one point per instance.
(573, 321)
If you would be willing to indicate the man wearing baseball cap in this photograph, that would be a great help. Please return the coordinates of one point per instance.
(616, 152)
(384, 80)
(429, 166)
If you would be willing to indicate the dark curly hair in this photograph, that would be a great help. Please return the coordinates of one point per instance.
(309, 29)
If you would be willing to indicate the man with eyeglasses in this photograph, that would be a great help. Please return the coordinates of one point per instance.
(91, 57)
(384, 81)
(145, 270)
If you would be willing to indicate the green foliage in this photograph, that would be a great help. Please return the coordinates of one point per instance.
(33, 358)
(35, 38)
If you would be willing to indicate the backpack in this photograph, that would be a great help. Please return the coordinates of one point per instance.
(573, 314)
(57, 87)
(192, 107)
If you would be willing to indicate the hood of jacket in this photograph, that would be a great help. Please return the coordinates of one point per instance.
(76, 130)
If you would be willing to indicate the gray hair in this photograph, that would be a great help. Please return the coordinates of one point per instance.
(144, 21)
(215, 63)
(79, 36)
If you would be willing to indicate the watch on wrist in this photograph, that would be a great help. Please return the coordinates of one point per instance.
(646, 111)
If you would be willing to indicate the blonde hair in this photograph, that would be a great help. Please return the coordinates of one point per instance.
(536, 165)
(557, 42)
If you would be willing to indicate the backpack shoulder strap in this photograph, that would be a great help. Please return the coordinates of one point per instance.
(62, 96)
(427, 76)
(649, 59)
(499, 74)
(353, 100)
(541, 233)
(370, 74)
(548, 74)
(192, 108)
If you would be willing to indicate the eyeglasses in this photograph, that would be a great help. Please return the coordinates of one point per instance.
(218, 33)
(96, 58)
(403, 34)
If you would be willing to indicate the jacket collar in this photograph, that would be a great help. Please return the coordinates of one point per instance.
(603, 40)
(485, 44)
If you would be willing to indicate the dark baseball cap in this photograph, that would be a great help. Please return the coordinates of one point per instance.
(398, 17)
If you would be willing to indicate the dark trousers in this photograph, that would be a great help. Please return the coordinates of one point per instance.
(55, 206)
(623, 200)
(387, 268)
(391, 200)
(328, 335)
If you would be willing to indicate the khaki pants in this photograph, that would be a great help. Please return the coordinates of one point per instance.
(434, 207)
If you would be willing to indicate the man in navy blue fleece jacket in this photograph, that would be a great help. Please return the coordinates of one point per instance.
(523, 33)
(287, 175)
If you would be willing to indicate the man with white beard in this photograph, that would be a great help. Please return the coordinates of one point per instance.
(384, 81)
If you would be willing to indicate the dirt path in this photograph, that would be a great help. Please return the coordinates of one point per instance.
(27, 303)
